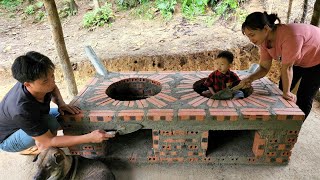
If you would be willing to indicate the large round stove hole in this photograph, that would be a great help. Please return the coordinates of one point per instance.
(200, 88)
(133, 89)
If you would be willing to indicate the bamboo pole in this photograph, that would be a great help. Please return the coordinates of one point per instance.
(57, 35)
(305, 11)
(316, 13)
(289, 11)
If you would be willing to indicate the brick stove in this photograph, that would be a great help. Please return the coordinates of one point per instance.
(180, 125)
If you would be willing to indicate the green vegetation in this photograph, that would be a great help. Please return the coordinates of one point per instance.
(40, 16)
(207, 11)
(227, 8)
(192, 8)
(166, 8)
(10, 4)
(29, 10)
(35, 11)
(145, 10)
(98, 17)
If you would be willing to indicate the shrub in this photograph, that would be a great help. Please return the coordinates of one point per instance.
(98, 17)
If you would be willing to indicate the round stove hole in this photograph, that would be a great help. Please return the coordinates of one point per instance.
(201, 89)
(133, 89)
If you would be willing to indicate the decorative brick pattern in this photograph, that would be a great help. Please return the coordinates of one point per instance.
(253, 114)
(224, 114)
(289, 114)
(180, 118)
(191, 114)
(160, 114)
(131, 115)
(101, 116)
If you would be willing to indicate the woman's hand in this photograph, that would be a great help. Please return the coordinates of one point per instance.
(68, 108)
(290, 97)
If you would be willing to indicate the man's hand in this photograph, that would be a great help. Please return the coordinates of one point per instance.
(98, 136)
(68, 108)
(245, 83)
(290, 96)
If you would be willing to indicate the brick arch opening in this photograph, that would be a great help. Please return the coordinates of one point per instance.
(133, 89)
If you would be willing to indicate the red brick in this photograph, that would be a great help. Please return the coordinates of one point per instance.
(229, 103)
(127, 114)
(144, 103)
(265, 98)
(200, 101)
(107, 115)
(193, 159)
(279, 160)
(153, 159)
(185, 114)
(179, 132)
(255, 102)
(224, 103)
(215, 103)
(289, 114)
(286, 153)
(97, 97)
(204, 145)
(187, 86)
(131, 103)
(285, 102)
(165, 80)
(184, 91)
(190, 95)
(242, 102)
(210, 102)
(105, 102)
(190, 77)
(222, 114)
(205, 134)
(115, 102)
(75, 117)
(156, 102)
(236, 103)
(258, 141)
(255, 113)
(281, 147)
(166, 97)
(260, 91)
(271, 154)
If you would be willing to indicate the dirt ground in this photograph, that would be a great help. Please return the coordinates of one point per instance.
(132, 45)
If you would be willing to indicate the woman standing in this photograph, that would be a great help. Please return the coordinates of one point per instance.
(296, 46)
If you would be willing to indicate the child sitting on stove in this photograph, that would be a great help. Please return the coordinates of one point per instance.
(222, 77)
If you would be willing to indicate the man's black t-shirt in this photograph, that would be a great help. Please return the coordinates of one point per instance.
(20, 110)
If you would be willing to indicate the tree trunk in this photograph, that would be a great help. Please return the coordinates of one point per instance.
(96, 4)
(289, 10)
(316, 13)
(305, 11)
(73, 7)
(58, 38)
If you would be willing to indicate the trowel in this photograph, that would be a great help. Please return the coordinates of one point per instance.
(225, 94)
(124, 129)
